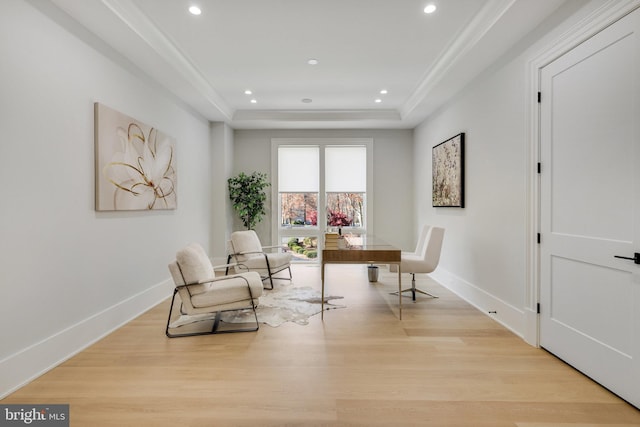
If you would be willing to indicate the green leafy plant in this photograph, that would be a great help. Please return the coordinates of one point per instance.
(247, 192)
(311, 254)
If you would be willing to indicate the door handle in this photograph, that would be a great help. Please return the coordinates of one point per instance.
(635, 259)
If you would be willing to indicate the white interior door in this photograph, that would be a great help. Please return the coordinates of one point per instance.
(590, 208)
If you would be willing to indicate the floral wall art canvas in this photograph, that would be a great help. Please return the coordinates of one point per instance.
(448, 173)
(135, 164)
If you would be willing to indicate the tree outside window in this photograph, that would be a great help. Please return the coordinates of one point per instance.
(299, 209)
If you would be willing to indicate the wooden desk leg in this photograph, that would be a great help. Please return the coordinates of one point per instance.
(322, 296)
(400, 291)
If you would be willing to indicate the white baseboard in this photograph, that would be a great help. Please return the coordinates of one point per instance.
(507, 315)
(531, 328)
(24, 366)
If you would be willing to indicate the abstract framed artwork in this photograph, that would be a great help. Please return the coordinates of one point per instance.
(135, 164)
(448, 173)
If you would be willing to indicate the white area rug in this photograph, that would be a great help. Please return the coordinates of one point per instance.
(284, 303)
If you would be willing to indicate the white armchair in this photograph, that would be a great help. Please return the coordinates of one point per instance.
(247, 251)
(201, 293)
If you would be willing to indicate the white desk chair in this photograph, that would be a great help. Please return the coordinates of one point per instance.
(424, 259)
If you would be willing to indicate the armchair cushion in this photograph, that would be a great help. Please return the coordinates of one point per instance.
(246, 244)
(226, 290)
(276, 261)
(194, 263)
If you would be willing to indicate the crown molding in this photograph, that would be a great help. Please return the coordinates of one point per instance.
(316, 115)
(144, 28)
(465, 41)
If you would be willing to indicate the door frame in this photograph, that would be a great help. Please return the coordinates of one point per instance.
(591, 24)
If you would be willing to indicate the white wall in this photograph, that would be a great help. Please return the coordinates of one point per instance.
(71, 274)
(484, 244)
(486, 247)
(392, 175)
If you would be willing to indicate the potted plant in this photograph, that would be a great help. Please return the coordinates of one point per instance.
(339, 219)
(247, 192)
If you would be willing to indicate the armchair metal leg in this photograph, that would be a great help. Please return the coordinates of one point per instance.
(226, 271)
(270, 275)
(270, 281)
(266, 260)
(214, 327)
(413, 289)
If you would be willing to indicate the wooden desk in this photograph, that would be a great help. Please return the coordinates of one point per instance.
(363, 250)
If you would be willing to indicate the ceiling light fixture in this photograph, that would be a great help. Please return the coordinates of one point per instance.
(378, 101)
(195, 10)
(312, 61)
(248, 92)
(307, 100)
(383, 92)
(430, 8)
(254, 101)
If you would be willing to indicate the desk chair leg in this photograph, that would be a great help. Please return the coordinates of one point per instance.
(413, 289)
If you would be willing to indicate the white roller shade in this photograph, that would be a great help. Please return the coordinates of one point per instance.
(346, 169)
(298, 169)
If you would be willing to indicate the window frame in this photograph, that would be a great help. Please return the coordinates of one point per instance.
(321, 228)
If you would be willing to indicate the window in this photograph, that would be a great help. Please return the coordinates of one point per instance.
(345, 185)
(321, 186)
(298, 185)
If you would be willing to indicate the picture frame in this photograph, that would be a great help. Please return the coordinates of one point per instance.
(135, 164)
(448, 173)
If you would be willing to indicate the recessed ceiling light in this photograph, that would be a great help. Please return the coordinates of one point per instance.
(307, 100)
(248, 92)
(383, 92)
(253, 101)
(378, 101)
(312, 61)
(430, 8)
(195, 10)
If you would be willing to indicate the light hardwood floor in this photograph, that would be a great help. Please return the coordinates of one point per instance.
(444, 364)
